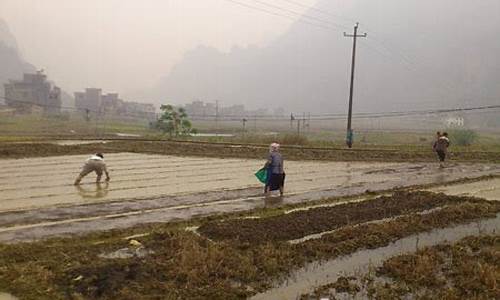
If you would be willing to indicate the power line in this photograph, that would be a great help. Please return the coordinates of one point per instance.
(363, 115)
(300, 14)
(279, 15)
(393, 54)
(326, 116)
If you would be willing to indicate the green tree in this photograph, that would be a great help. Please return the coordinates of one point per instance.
(174, 121)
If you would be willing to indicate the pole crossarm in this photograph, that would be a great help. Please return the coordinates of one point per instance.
(352, 35)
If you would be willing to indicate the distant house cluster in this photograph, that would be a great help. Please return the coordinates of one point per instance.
(200, 109)
(92, 99)
(32, 94)
(454, 121)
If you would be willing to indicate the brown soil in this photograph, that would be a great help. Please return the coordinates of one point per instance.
(296, 153)
(468, 269)
(22, 150)
(302, 223)
(182, 265)
(17, 150)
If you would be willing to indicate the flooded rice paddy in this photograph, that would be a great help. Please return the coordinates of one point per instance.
(306, 279)
(37, 197)
(220, 263)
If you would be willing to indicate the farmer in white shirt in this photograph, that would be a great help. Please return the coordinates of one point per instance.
(93, 164)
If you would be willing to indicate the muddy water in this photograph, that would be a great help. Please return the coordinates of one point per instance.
(37, 198)
(44, 182)
(77, 142)
(316, 274)
(487, 189)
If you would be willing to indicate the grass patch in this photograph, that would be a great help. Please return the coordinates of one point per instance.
(182, 265)
(316, 220)
(467, 269)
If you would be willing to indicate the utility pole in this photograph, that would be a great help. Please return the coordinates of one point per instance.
(244, 123)
(349, 136)
(216, 117)
(308, 121)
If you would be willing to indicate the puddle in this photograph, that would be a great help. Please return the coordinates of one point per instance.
(77, 142)
(126, 253)
(5, 296)
(316, 274)
(212, 134)
(128, 135)
(193, 229)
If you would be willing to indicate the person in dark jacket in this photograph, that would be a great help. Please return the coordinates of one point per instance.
(441, 148)
(275, 171)
(438, 135)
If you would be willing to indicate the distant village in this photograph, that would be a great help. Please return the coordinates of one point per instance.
(34, 93)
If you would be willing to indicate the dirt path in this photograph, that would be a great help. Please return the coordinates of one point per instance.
(38, 198)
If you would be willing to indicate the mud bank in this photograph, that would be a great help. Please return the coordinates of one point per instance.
(180, 264)
(235, 150)
(316, 220)
(317, 274)
(462, 270)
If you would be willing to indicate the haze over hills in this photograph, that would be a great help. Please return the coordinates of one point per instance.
(11, 62)
(417, 55)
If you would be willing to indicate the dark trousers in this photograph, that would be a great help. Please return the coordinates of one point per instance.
(441, 154)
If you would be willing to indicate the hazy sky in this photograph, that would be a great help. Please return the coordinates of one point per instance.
(126, 45)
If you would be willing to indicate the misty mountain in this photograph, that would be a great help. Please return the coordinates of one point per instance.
(418, 55)
(12, 64)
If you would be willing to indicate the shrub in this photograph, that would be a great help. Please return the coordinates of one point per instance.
(463, 137)
(294, 139)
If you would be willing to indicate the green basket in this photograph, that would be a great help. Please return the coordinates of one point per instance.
(261, 175)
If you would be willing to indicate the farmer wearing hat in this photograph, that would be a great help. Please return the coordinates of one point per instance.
(96, 164)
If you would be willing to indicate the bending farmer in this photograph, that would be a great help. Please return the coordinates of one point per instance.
(96, 164)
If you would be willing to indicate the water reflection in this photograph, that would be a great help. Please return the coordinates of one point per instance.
(5, 296)
(100, 191)
(273, 201)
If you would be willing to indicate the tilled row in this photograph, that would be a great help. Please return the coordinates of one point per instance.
(316, 220)
(181, 265)
(468, 269)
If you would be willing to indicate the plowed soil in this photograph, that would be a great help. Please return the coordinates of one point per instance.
(468, 269)
(181, 265)
(302, 223)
